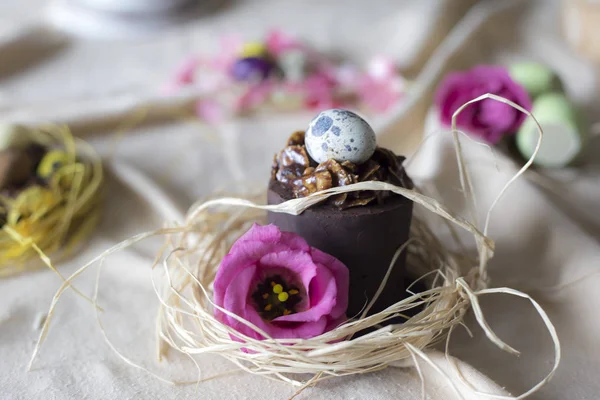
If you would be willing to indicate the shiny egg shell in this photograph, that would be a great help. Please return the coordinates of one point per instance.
(340, 135)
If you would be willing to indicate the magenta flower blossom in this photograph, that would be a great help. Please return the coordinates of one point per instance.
(282, 285)
(489, 119)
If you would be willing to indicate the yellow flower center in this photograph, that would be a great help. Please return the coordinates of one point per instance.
(283, 296)
(275, 297)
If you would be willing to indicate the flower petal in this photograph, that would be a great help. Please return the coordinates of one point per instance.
(499, 117)
(261, 233)
(378, 96)
(236, 299)
(489, 119)
(295, 242)
(381, 68)
(210, 111)
(322, 293)
(341, 275)
(278, 41)
(186, 71)
(184, 75)
(230, 46)
(304, 330)
(300, 263)
(334, 323)
(271, 234)
(347, 75)
(242, 255)
(254, 96)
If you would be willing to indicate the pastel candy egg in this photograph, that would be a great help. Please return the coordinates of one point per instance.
(254, 49)
(564, 136)
(536, 78)
(14, 136)
(251, 69)
(340, 135)
(16, 167)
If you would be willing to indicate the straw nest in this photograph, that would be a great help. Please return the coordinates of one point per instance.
(52, 216)
(454, 281)
(187, 323)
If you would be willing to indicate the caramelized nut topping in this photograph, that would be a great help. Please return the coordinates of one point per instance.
(294, 168)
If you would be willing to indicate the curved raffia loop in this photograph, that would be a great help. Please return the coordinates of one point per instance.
(193, 252)
(53, 219)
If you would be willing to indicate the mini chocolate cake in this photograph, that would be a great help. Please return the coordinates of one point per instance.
(362, 229)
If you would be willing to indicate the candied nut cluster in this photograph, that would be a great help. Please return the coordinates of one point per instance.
(294, 168)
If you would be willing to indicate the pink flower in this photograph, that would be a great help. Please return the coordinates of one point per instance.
(347, 76)
(381, 68)
(276, 281)
(319, 91)
(184, 75)
(230, 46)
(489, 119)
(253, 96)
(379, 96)
(382, 86)
(210, 111)
(278, 41)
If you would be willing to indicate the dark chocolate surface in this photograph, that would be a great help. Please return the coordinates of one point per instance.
(364, 238)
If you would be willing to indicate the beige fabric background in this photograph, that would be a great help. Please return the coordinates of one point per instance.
(544, 239)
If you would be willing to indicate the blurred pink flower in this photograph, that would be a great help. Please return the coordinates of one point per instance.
(381, 68)
(348, 76)
(381, 86)
(210, 111)
(230, 46)
(276, 281)
(376, 95)
(278, 41)
(319, 91)
(253, 96)
(229, 80)
(184, 75)
(489, 119)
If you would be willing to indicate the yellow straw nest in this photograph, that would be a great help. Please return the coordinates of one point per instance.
(52, 218)
(194, 250)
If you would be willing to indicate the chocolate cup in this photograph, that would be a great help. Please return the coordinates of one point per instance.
(364, 238)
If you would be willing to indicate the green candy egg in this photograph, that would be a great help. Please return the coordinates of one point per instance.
(15, 136)
(536, 78)
(563, 137)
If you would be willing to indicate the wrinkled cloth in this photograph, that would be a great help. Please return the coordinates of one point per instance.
(546, 239)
